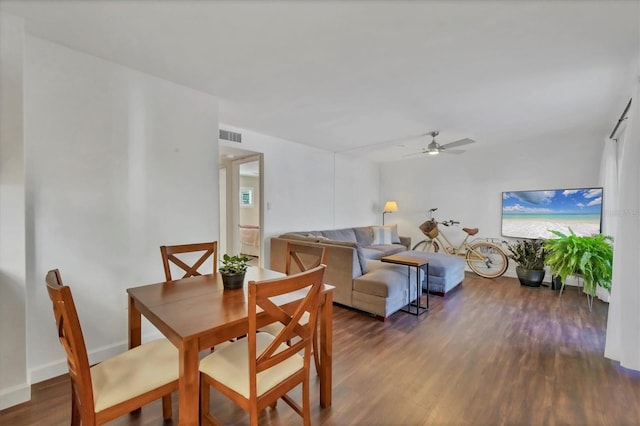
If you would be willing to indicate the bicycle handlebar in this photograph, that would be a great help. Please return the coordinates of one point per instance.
(449, 222)
(446, 222)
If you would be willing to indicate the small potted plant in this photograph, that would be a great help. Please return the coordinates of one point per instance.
(530, 256)
(588, 257)
(232, 270)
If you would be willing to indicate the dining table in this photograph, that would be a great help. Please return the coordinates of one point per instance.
(197, 313)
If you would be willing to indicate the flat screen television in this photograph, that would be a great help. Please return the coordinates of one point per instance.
(531, 214)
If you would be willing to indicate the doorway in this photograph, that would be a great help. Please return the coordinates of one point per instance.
(250, 200)
(241, 205)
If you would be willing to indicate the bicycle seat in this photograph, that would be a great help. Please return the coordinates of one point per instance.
(470, 231)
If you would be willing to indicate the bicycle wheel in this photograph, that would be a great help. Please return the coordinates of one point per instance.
(487, 260)
(428, 246)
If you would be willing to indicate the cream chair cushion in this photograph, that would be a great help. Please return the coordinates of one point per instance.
(133, 373)
(230, 366)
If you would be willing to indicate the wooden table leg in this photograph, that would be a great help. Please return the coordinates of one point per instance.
(135, 334)
(326, 350)
(189, 384)
(135, 325)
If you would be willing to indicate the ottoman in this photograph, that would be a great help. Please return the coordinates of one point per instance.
(445, 271)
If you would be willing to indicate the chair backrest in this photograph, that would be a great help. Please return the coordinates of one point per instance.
(72, 340)
(169, 255)
(301, 257)
(259, 297)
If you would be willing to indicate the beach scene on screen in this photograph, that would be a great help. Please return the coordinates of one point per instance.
(532, 214)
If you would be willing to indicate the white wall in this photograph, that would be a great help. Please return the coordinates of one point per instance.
(357, 192)
(468, 187)
(14, 385)
(308, 188)
(118, 163)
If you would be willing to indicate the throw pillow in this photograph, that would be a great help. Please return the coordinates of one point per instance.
(395, 239)
(392, 230)
(381, 236)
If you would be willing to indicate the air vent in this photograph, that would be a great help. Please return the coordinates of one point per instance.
(230, 136)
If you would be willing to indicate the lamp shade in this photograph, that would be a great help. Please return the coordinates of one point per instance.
(390, 206)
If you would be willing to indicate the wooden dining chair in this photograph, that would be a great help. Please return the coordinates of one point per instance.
(255, 372)
(169, 257)
(118, 385)
(300, 258)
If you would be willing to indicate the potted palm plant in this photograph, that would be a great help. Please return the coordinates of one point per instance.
(530, 256)
(232, 270)
(588, 257)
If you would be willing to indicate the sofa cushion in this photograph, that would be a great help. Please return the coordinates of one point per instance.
(371, 253)
(364, 235)
(388, 249)
(361, 256)
(346, 234)
(381, 282)
(385, 279)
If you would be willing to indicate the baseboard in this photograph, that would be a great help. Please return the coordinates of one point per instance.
(49, 370)
(14, 395)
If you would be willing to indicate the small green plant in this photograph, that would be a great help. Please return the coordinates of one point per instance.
(234, 265)
(588, 257)
(529, 254)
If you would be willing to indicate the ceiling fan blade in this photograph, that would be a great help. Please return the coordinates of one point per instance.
(386, 143)
(414, 154)
(459, 142)
(453, 151)
(404, 139)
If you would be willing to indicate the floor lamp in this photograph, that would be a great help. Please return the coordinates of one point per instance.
(389, 207)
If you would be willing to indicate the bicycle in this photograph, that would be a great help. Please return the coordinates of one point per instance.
(485, 258)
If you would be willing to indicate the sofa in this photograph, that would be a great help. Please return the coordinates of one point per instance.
(362, 281)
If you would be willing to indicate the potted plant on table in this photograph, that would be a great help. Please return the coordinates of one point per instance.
(232, 270)
(588, 257)
(530, 256)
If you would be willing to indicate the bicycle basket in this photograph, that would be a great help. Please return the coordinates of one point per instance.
(430, 228)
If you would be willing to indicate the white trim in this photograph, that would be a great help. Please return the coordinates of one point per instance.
(15, 395)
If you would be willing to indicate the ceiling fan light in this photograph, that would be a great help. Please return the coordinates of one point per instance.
(432, 149)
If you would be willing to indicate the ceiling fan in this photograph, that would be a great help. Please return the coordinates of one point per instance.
(435, 148)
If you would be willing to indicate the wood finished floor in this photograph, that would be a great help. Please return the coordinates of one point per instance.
(491, 353)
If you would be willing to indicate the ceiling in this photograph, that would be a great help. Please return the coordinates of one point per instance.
(358, 76)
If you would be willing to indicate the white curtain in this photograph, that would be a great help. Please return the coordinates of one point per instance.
(609, 183)
(623, 326)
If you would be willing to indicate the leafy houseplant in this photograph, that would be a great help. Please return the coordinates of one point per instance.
(588, 257)
(530, 256)
(232, 270)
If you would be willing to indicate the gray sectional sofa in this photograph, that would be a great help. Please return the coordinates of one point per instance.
(354, 268)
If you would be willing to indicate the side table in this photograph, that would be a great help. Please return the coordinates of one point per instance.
(418, 264)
